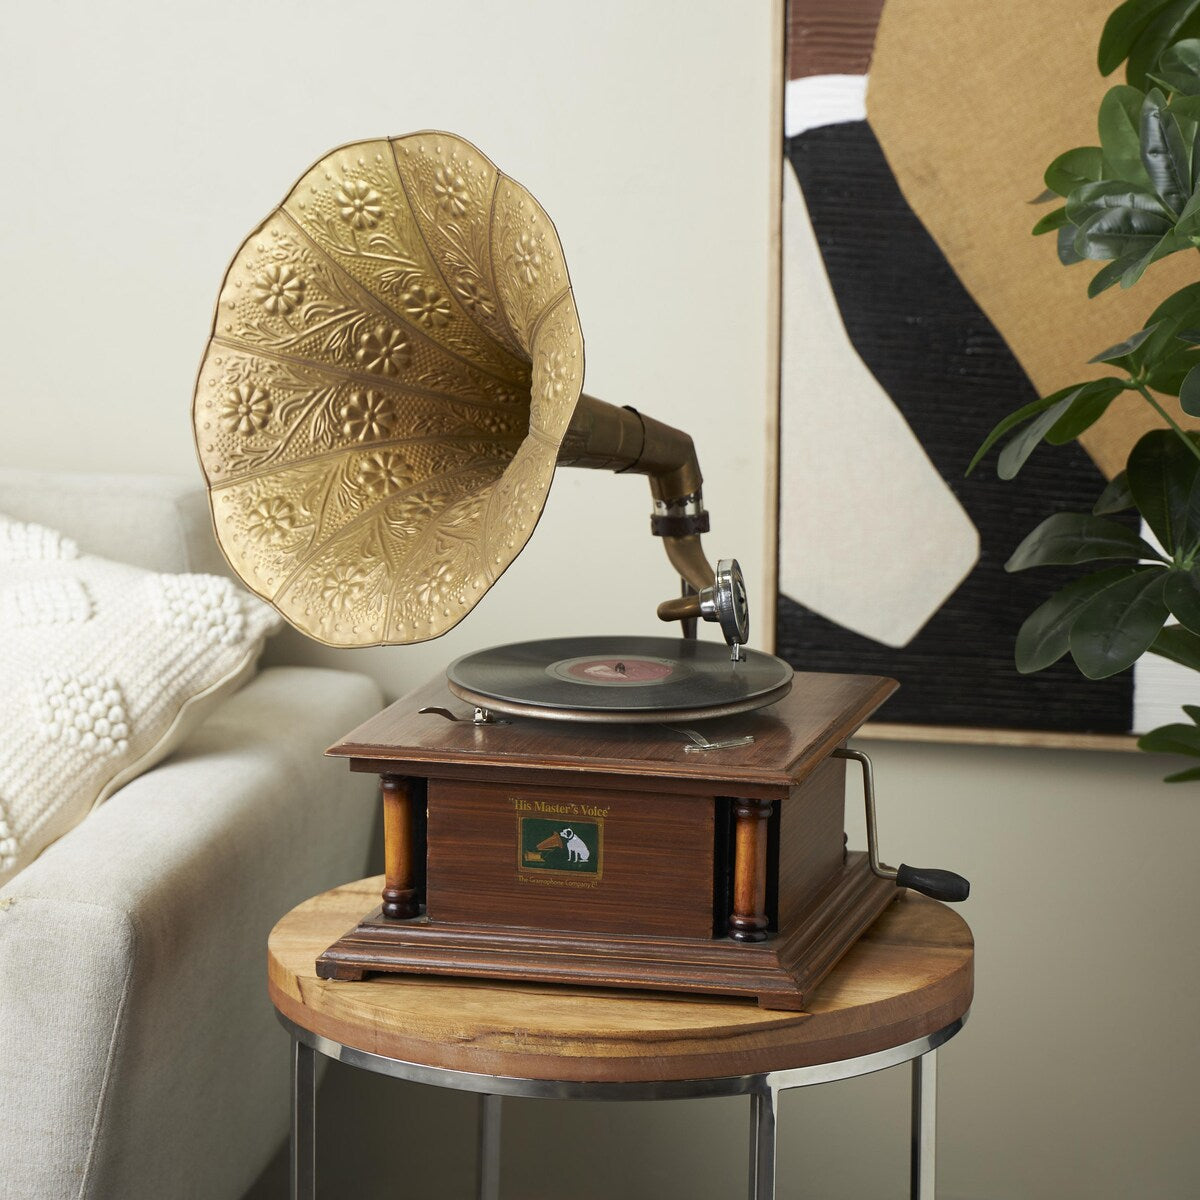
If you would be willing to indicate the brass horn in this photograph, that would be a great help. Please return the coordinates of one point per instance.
(394, 371)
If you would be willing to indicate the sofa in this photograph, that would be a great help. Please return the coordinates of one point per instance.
(139, 1056)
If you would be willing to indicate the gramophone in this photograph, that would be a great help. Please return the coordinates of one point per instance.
(394, 373)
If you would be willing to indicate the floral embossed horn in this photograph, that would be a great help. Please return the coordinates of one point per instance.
(395, 369)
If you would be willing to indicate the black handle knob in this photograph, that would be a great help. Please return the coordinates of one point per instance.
(932, 882)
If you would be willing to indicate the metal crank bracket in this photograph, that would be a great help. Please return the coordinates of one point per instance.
(929, 881)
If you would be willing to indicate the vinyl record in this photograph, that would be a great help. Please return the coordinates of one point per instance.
(625, 679)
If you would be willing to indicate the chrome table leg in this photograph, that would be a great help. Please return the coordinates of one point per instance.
(762, 1143)
(489, 1148)
(304, 1122)
(763, 1089)
(924, 1126)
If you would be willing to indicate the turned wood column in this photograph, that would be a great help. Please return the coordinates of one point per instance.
(399, 894)
(748, 921)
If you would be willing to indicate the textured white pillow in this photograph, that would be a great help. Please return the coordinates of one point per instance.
(104, 669)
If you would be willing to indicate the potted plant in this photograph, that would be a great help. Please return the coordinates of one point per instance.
(1127, 203)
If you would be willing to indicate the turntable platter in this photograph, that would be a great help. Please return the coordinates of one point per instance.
(621, 679)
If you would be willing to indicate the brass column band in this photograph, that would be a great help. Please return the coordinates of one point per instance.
(679, 526)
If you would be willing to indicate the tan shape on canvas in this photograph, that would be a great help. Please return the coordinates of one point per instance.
(970, 105)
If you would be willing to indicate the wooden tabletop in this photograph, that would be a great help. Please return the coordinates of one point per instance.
(791, 737)
(910, 975)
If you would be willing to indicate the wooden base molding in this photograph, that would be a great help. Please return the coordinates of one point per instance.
(780, 972)
(909, 975)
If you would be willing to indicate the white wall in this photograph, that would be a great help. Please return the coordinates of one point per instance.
(145, 140)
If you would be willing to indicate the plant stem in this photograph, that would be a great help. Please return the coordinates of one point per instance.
(1166, 416)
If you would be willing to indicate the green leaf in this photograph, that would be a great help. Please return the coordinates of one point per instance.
(1181, 135)
(1178, 644)
(1168, 373)
(1173, 23)
(1166, 356)
(1172, 739)
(1115, 498)
(1084, 164)
(1065, 246)
(1050, 222)
(1181, 594)
(1193, 712)
(1127, 225)
(1169, 243)
(1175, 739)
(1091, 199)
(1088, 406)
(1165, 154)
(1067, 538)
(1159, 82)
(1128, 346)
(1164, 477)
(1186, 109)
(1119, 122)
(1113, 273)
(1044, 637)
(1189, 219)
(1178, 311)
(1189, 393)
(1179, 67)
(1022, 445)
(1117, 627)
(1019, 418)
(1183, 776)
(1122, 30)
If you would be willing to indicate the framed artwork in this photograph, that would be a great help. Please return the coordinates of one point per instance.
(917, 311)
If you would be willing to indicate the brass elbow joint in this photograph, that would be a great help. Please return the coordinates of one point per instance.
(623, 440)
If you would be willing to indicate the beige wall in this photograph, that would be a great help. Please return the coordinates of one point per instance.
(145, 140)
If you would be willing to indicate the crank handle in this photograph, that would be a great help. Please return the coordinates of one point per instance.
(929, 881)
(933, 882)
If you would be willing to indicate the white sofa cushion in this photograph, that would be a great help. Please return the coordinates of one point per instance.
(104, 669)
(139, 1054)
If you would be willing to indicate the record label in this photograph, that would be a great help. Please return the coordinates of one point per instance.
(629, 671)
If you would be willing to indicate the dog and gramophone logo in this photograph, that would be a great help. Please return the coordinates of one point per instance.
(560, 843)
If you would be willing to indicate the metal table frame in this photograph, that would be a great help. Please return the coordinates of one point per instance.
(763, 1090)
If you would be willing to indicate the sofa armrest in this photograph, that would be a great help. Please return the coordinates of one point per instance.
(138, 1052)
(160, 522)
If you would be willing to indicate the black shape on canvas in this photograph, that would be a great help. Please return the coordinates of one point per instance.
(953, 377)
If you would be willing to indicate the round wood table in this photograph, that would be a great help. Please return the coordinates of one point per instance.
(900, 992)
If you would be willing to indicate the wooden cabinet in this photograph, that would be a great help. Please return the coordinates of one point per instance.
(610, 855)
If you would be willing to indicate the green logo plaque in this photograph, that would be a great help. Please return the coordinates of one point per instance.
(558, 848)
